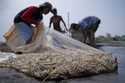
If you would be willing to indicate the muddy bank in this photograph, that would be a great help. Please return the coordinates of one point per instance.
(112, 43)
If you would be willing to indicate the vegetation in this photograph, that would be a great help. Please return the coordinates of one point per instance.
(108, 38)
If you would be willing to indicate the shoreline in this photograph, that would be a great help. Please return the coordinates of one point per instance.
(5, 48)
(112, 43)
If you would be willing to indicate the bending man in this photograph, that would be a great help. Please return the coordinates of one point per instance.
(30, 16)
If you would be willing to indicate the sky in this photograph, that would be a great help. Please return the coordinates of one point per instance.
(111, 13)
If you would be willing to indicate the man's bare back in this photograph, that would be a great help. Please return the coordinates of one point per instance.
(56, 22)
(56, 19)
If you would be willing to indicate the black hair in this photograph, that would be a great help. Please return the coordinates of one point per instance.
(99, 21)
(45, 5)
(54, 11)
(74, 26)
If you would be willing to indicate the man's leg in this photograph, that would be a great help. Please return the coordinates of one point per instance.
(84, 33)
(88, 37)
(92, 38)
(25, 31)
(93, 31)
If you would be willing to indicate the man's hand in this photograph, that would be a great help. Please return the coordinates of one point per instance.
(39, 25)
(66, 29)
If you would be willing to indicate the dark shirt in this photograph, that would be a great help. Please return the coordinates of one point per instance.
(30, 15)
(88, 21)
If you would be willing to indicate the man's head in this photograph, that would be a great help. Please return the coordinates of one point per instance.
(99, 21)
(74, 27)
(54, 11)
(45, 7)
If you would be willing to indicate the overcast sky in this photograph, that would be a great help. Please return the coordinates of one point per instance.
(111, 12)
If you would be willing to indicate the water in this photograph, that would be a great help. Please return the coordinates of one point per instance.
(11, 76)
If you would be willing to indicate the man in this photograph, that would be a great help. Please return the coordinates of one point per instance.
(29, 18)
(56, 19)
(76, 32)
(89, 25)
(87, 28)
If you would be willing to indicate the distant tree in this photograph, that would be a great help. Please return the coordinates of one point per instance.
(116, 38)
(108, 35)
(109, 38)
(123, 37)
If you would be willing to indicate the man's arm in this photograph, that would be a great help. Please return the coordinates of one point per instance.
(50, 23)
(64, 23)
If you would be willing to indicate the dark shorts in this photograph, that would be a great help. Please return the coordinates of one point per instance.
(24, 31)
